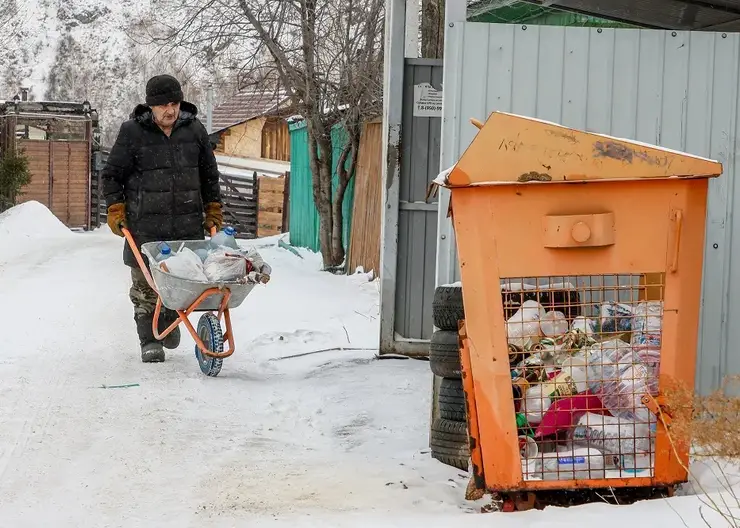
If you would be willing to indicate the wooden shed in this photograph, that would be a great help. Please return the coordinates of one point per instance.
(57, 139)
(252, 124)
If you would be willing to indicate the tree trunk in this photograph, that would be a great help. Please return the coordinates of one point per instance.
(432, 28)
(345, 170)
(320, 163)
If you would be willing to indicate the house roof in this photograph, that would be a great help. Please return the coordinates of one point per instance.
(247, 105)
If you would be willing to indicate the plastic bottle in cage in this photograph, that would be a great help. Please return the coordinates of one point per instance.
(616, 318)
(647, 325)
(581, 463)
(553, 324)
(612, 435)
(523, 328)
(621, 378)
(536, 403)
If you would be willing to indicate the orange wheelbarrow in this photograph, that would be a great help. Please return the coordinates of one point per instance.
(187, 296)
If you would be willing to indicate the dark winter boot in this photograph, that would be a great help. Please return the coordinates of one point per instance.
(151, 349)
(166, 318)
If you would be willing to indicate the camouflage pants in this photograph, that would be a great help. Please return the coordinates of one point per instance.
(141, 294)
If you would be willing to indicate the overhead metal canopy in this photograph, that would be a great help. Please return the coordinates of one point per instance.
(713, 15)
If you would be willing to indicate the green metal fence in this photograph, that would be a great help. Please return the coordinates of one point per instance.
(304, 218)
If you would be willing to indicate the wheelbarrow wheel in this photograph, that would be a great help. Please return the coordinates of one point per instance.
(209, 331)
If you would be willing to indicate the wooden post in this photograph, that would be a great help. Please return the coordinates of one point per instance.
(286, 205)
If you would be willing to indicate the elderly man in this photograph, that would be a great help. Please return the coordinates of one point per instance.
(161, 182)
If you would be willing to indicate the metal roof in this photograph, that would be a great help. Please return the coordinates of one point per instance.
(247, 105)
(715, 15)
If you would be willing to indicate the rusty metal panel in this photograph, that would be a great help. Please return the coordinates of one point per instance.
(675, 89)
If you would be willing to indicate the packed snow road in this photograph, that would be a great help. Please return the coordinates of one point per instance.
(337, 431)
(90, 436)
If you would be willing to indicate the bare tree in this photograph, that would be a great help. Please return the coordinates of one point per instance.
(432, 28)
(8, 14)
(325, 55)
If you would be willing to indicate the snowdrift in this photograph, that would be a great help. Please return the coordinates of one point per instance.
(26, 226)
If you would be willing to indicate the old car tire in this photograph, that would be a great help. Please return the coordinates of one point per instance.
(444, 354)
(452, 400)
(447, 307)
(449, 443)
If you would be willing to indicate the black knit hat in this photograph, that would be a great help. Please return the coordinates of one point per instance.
(163, 89)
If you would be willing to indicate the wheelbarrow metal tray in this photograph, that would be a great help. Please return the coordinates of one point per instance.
(179, 294)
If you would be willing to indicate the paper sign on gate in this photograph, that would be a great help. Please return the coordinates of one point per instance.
(427, 101)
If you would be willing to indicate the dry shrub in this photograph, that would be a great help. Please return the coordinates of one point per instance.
(710, 424)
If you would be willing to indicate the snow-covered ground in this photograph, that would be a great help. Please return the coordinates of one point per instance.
(327, 439)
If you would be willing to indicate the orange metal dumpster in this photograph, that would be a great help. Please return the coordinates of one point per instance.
(564, 391)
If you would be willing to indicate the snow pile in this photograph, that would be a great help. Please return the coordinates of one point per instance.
(28, 226)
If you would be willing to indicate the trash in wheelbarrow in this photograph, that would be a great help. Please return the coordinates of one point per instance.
(222, 264)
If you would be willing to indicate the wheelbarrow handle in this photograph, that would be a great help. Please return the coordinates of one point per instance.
(140, 259)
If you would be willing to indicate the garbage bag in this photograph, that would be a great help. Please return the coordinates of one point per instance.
(222, 265)
(185, 264)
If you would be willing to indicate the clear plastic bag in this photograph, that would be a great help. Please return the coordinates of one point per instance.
(222, 265)
(185, 264)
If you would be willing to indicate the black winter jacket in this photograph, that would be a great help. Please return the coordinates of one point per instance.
(164, 181)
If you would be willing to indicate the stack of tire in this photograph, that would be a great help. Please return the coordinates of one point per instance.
(449, 432)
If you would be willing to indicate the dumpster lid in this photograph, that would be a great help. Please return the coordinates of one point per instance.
(511, 149)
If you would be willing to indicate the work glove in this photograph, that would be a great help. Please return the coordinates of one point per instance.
(117, 218)
(214, 216)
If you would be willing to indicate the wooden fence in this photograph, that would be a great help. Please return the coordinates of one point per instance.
(364, 246)
(273, 199)
(254, 206)
(239, 197)
(98, 210)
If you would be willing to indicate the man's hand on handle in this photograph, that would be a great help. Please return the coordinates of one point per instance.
(117, 218)
(214, 217)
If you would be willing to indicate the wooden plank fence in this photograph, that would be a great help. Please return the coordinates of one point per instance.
(239, 197)
(273, 203)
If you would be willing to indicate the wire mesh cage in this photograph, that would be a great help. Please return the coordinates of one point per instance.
(584, 351)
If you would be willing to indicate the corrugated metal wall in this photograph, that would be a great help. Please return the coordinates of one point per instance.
(417, 219)
(304, 218)
(675, 89)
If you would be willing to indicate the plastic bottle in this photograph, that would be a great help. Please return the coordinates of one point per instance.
(612, 435)
(581, 463)
(202, 253)
(536, 404)
(523, 328)
(647, 325)
(553, 324)
(165, 252)
(225, 238)
(619, 377)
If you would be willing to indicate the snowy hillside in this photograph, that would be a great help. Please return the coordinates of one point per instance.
(82, 49)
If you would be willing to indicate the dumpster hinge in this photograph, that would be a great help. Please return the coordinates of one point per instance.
(659, 408)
